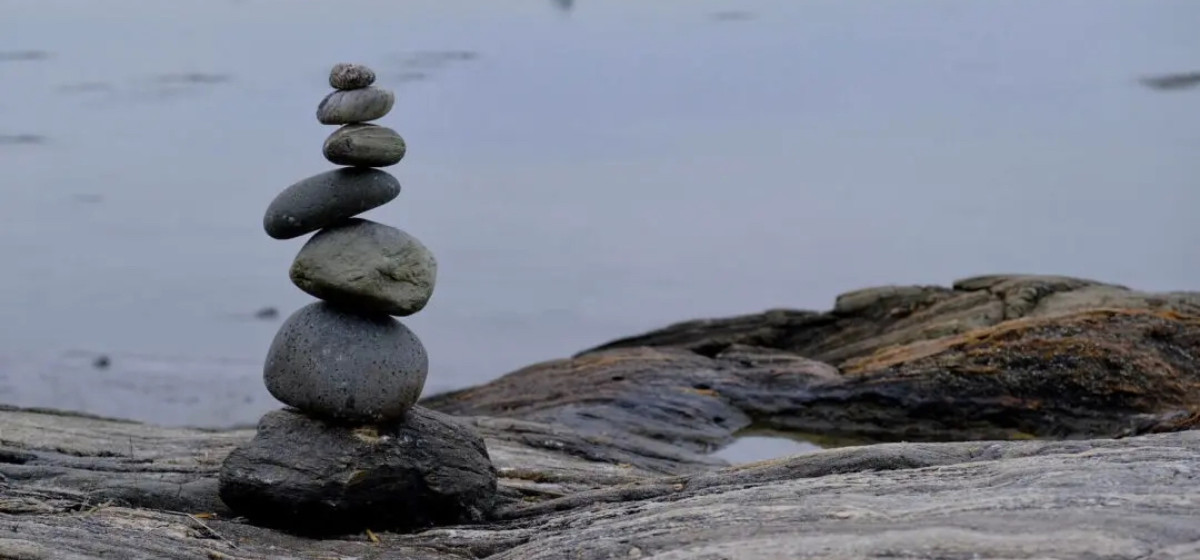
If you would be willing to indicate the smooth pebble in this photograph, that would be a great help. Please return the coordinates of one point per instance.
(364, 145)
(355, 105)
(327, 198)
(367, 266)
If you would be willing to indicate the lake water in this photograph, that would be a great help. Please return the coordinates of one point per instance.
(581, 173)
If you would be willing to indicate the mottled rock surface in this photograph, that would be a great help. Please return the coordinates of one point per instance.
(1046, 357)
(350, 76)
(309, 476)
(604, 455)
(334, 363)
(368, 266)
(327, 198)
(355, 105)
(364, 145)
(867, 320)
(78, 487)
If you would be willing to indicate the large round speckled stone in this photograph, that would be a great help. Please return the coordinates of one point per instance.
(368, 266)
(338, 364)
(355, 105)
(364, 145)
(327, 198)
(350, 76)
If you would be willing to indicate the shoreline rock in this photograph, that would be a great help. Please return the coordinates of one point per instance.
(606, 454)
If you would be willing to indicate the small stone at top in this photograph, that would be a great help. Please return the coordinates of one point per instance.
(350, 76)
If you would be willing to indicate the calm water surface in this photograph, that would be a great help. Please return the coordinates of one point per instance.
(580, 174)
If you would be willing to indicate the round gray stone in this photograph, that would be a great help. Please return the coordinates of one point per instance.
(367, 266)
(327, 198)
(350, 76)
(364, 145)
(355, 105)
(338, 364)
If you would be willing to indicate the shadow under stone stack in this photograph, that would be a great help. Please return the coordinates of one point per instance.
(352, 450)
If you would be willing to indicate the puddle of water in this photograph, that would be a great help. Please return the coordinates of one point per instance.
(748, 449)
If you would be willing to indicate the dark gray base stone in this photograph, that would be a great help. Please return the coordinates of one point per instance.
(311, 477)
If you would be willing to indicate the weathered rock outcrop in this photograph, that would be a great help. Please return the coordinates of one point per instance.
(866, 320)
(994, 358)
(604, 455)
(76, 487)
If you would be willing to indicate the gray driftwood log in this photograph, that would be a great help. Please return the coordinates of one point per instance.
(604, 455)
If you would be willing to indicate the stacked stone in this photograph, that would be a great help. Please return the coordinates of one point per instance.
(353, 450)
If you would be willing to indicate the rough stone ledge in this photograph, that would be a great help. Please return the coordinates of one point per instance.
(1135, 497)
(606, 454)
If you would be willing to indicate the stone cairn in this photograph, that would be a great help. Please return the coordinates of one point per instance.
(352, 450)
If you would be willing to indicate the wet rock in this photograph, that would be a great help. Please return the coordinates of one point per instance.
(364, 145)
(355, 105)
(327, 198)
(709, 399)
(337, 364)
(313, 477)
(347, 76)
(1060, 372)
(368, 266)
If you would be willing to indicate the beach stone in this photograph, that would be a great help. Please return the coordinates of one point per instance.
(310, 476)
(339, 364)
(327, 198)
(348, 76)
(355, 105)
(367, 266)
(364, 145)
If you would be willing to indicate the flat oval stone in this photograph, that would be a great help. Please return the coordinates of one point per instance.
(355, 105)
(327, 198)
(338, 364)
(364, 145)
(350, 76)
(367, 266)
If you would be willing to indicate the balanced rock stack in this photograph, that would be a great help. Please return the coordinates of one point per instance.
(352, 450)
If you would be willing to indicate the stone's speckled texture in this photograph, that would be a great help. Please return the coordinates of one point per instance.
(367, 266)
(327, 198)
(350, 76)
(364, 145)
(307, 475)
(333, 363)
(355, 105)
